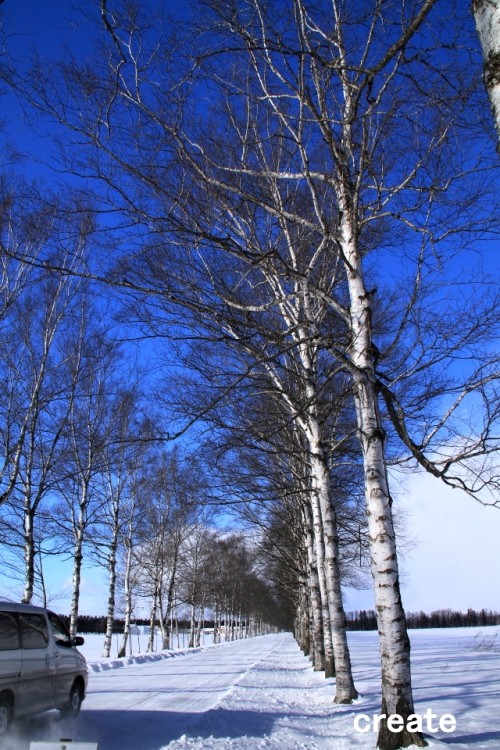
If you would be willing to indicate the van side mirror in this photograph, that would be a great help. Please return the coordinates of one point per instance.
(78, 641)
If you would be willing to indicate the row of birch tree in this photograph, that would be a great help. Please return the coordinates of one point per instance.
(82, 480)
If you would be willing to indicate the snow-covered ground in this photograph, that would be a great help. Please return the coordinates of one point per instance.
(261, 694)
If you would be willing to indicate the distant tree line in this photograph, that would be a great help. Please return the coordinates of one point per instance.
(441, 618)
(357, 620)
(97, 624)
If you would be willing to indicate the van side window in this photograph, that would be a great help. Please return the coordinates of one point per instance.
(59, 630)
(9, 633)
(34, 631)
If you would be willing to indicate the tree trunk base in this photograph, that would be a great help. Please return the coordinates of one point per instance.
(394, 740)
(347, 696)
(388, 740)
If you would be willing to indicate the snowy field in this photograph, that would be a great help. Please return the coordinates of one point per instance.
(261, 694)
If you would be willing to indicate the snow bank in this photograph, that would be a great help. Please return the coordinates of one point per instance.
(104, 664)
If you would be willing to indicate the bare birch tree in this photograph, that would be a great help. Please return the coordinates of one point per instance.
(119, 467)
(41, 373)
(28, 224)
(129, 576)
(194, 572)
(88, 432)
(168, 492)
(35, 408)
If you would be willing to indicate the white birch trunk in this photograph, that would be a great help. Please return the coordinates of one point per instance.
(344, 683)
(319, 550)
(232, 625)
(162, 619)
(251, 626)
(216, 633)
(29, 553)
(167, 620)
(111, 592)
(310, 626)
(79, 533)
(317, 625)
(77, 577)
(152, 617)
(301, 625)
(200, 626)
(128, 600)
(487, 17)
(32, 500)
(325, 523)
(394, 642)
(192, 627)
(176, 621)
(226, 620)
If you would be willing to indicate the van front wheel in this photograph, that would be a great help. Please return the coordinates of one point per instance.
(72, 707)
(5, 715)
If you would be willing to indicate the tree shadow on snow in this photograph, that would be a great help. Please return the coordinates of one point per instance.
(223, 722)
(111, 729)
(471, 739)
(136, 729)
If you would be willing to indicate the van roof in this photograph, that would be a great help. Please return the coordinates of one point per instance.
(18, 607)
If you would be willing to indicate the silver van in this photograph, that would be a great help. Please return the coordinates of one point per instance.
(40, 667)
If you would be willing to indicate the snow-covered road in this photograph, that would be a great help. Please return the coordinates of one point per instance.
(144, 706)
(159, 700)
(196, 681)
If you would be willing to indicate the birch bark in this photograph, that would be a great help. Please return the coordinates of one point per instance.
(192, 625)
(319, 628)
(200, 625)
(152, 621)
(122, 651)
(325, 523)
(345, 690)
(77, 567)
(111, 588)
(29, 553)
(301, 621)
(216, 634)
(487, 17)
(167, 617)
